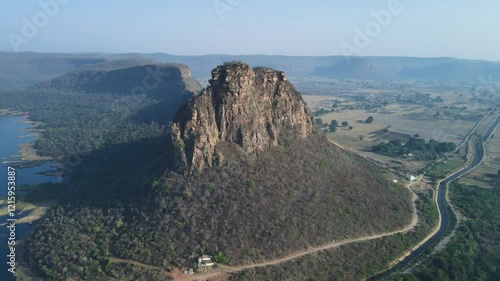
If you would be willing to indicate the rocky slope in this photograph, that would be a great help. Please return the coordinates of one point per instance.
(244, 106)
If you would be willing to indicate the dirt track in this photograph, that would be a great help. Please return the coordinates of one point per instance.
(225, 270)
(228, 269)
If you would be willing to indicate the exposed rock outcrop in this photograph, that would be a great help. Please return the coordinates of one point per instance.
(244, 106)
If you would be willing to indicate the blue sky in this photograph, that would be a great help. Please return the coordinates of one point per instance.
(423, 28)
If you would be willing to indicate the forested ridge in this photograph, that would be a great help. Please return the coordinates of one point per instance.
(108, 133)
(79, 117)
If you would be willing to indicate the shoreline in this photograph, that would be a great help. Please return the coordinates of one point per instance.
(28, 156)
(12, 112)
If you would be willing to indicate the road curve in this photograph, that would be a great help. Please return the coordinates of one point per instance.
(443, 208)
(233, 269)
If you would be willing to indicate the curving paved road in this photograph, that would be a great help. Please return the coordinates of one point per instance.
(224, 270)
(445, 222)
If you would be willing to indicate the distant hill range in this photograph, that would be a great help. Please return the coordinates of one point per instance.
(366, 68)
(24, 69)
(19, 70)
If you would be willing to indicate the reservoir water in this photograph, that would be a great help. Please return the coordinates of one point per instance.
(12, 134)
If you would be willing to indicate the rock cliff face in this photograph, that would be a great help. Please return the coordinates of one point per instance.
(244, 106)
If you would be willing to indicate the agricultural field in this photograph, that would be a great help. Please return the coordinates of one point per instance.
(444, 112)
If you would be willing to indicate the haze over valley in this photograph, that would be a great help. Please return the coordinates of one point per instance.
(248, 140)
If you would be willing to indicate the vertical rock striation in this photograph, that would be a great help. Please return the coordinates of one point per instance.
(244, 106)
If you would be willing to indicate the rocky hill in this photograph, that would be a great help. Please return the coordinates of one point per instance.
(250, 179)
(245, 106)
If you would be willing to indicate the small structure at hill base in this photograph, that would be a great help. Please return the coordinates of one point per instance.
(410, 177)
(205, 260)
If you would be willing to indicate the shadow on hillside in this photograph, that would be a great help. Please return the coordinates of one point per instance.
(118, 174)
(164, 111)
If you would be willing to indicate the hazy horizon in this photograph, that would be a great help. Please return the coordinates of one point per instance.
(238, 55)
(392, 28)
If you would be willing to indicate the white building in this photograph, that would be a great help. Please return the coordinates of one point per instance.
(410, 177)
(205, 260)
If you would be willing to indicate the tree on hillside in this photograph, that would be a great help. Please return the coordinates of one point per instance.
(345, 123)
(369, 120)
(318, 121)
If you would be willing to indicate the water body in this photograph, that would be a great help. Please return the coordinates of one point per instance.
(12, 134)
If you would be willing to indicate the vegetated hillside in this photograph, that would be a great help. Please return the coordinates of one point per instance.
(133, 76)
(20, 70)
(77, 120)
(170, 86)
(250, 178)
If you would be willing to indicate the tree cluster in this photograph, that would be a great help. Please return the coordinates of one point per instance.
(420, 149)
